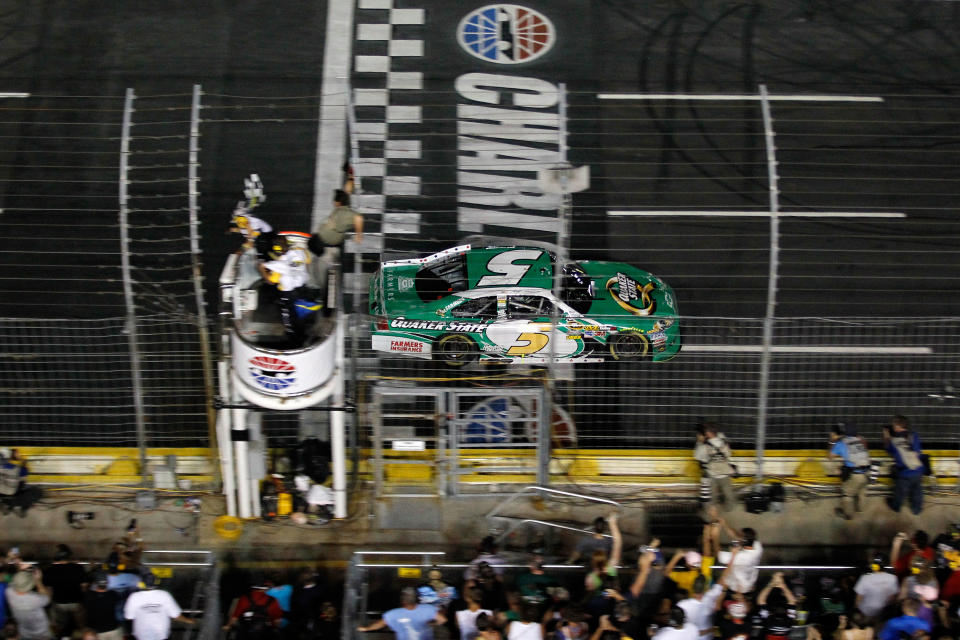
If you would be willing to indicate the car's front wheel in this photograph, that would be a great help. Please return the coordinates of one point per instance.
(628, 344)
(455, 349)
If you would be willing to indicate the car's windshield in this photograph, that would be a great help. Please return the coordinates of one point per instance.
(441, 278)
(576, 287)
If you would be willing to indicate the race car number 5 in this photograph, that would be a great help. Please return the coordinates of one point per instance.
(534, 342)
(509, 273)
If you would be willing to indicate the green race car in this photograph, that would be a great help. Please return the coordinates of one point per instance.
(497, 304)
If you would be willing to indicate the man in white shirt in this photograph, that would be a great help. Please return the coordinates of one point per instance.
(744, 572)
(677, 627)
(876, 589)
(702, 603)
(151, 611)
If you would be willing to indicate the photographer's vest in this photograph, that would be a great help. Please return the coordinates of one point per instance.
(908, 457)
(857, 454)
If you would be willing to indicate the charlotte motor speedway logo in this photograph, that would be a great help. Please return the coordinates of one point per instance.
(273, 374)
(506, 34)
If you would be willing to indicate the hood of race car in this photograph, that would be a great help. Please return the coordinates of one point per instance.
(621, 288)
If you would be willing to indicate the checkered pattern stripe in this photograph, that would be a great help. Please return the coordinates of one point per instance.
(387, 44)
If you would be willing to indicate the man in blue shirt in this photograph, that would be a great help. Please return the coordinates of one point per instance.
(904, 446)
(908, 623)
(852, 449)
(411, 621)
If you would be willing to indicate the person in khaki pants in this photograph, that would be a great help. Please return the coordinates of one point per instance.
(852, 449)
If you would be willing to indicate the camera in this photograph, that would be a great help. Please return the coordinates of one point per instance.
(736, 543)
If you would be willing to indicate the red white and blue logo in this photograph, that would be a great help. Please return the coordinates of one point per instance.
(506, 34)
(273, 374)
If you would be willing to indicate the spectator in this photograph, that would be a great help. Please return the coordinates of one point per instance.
(688, 573)
(410, 621)
(600, 563)
(780, 615)
(151, 611)
(255, 615)
(596, 541)
(305, 604)
(491, 585)
(3, 599)
(528, 626)
(918, 547)
(733, 625)
(857, 627)
(677, 627)
(907, 623)
(466, 618)
(573, 626)
(486, 553)
(875, 590)
(282, 592)
(624, 621)
(534, 583)
(904, 446)
(702, 603)
(485, 628)
(713, 453)
(951, 585)
(853, 451)
(15, 492)
(100, 607)
(743, 576)
(27, 598)
(67, 581)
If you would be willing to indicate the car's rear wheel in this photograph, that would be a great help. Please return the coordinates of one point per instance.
(455, 349)
(627, 345)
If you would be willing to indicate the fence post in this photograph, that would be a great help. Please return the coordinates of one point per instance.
(769, 316)
(131, 309)
(203, 334)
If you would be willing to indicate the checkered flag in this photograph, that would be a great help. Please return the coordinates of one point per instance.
(253, 190)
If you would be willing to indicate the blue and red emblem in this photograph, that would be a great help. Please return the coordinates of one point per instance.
(506, 33)
(273, 374)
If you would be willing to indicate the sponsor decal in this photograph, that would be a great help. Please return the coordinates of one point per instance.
(658, 339)
(433, 325)
(406, 346)
(626, 292)
(506, 34)
(404, 283)
(272, 373)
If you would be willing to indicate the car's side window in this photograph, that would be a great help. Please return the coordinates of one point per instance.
(485, 307)
(519, 307)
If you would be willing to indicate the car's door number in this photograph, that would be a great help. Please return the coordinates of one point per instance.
(508, 272)
(534, 342)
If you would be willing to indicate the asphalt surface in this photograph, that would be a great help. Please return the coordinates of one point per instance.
(259, 65)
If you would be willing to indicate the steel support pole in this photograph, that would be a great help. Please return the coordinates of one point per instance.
(131, 309)
(203, 334)
(224, 424)
(769, 316)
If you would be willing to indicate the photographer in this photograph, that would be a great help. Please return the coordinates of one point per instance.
(713, 453)
(27, 598)
(904, 446)
(852, 449)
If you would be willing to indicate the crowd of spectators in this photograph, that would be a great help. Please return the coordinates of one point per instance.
(716, 591)
(104, 600)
